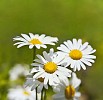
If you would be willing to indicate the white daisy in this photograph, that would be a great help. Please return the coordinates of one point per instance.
(18, 70)
(77, 55)
(33, 83)
(49, 68)
(67, 90)
(34, 40)
(20, 93)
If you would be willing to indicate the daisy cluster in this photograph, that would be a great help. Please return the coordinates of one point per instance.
(17, 91)
(57, 69)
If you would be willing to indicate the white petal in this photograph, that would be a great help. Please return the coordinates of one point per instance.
(79, 43)
(70, 44)
(46, 56)
(78, 65)
(39, 88)
(84, 46)
(77, 94)
(56, 78)
(41, 58)
(64, 48)
(44, 46)
(75, 45)
(51, 80)
(82, 65)
(86, 62)
(20, 39)
(90, 56)
(46, 80)
(75, 81)
(41, 37)
(20, 45)
(33, 87)
(72, 63)
(31, 46)
(36, 36)
(39, 61)
(37, 46)
(59, 96)
(31, 35)
(46, 86)
(59, 58)
(36, 64)
(38, 74)
(34, 70)
(26, 36)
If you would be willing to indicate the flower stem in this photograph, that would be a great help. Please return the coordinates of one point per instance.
(34, 54)
(36, 94)
(45, 94)
(42, 93)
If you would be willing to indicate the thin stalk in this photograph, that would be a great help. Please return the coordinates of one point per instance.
(45, 95)
(34, 54)
(36, 94)
(42, 94)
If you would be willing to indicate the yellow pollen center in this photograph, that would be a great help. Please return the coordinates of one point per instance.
(26, 93)
(69, 92)
(41, 79)
(75, 54)
(35, 41)
(50, 67)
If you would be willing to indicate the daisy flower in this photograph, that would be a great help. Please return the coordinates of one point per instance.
(34, 40)
(67, 90)
(18, 70)
(77, 55)
(49, 68)
(19, 93)
(33, 83)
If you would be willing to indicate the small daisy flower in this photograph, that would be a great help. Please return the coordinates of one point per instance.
(34, 40)
(33, 83)
(49, 68)
(77, 55)
(18, 70)
(67, 90)
(20, 93)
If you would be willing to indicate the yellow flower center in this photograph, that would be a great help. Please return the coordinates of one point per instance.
(41, 79)
(50, 67)
(69, 92)
(35, 41)
(75, 54)
(26, 93)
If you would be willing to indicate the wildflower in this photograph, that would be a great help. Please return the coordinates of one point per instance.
(18, 70)
(77, 55)
(67, 90)
(19, 93)
(49, 68)
(33, 83)
(34, 40)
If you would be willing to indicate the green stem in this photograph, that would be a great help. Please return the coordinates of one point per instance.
(34, 54)
(36, 94)
(45, 94)
(42, 94)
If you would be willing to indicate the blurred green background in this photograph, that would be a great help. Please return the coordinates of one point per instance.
(65, 19)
